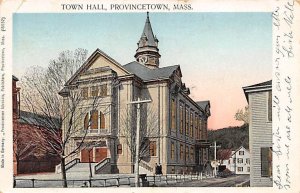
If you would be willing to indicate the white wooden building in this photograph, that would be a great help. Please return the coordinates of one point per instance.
(259, 97)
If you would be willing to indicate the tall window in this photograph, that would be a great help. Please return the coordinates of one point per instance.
(270, 106)
(186, 121)
(94, 91)
(103, 90)
(248, 161)
(119, 149)
(173, 114)
(102, 121)
(266, 161)
(91, 120)
(181, 151)
(181, 119)
(172, 150)
(94, 119)
(186, 152)
(192, 153)
(241, 152)
(191, 124)
(199, 126)
(196, 126)
(240, 169)
(240, 160)
(85, 92)
(152, 148)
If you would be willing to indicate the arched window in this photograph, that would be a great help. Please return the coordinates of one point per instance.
(94, 119)
(119, 149)
(91, 120)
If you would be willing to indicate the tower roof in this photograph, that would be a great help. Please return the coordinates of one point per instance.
(148, 34)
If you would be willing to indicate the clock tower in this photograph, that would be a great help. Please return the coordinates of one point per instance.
(148, 52)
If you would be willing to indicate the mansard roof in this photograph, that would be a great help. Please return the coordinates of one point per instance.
(147, 74)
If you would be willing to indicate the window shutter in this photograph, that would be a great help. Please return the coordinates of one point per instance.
(264, 161)
(86, 121)
(270, 106)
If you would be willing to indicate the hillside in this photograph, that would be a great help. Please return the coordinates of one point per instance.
(231, 137)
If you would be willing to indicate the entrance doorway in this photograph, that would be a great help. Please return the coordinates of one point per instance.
(93, 155)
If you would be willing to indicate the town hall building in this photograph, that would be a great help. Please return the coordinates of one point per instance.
(178, 124)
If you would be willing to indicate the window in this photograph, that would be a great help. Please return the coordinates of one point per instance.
(181, 151)
(186, 121)
(192, 153)
(240, 169)
(186, 152)
(94, 119)
(172, 150)
(173, 114)
(85, 92)
(241, 152)
(102, 121)
(234, 160)
(196, 126)
(200, 128)
(266, 161)
(248, 161)
(94, 91)
(152, 148)
(229, 161)
(191, 124)
(119, 149)
(181, 119)
(248, 169)
(240, 160)
(103, 90)
(270, 106)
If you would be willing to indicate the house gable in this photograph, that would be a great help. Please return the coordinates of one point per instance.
(98, 64)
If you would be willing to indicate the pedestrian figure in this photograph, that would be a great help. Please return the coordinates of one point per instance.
(159, 169)
(156, 169)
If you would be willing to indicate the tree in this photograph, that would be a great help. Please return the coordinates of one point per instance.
(242, 115)
(41, 96)
(149, 131)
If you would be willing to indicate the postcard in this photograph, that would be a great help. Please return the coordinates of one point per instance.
(159, 95)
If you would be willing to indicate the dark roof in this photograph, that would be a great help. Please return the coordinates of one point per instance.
(38, 120)
(15, 78)
(150, 74)
(266, 83)
(263, 86)
(148, 33)
(203, 104)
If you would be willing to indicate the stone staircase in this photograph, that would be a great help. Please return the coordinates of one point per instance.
(82, 168)
(145, 168)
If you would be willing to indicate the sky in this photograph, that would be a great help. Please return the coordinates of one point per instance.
(218, 53)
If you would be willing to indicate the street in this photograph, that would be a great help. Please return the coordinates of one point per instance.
(231, 181)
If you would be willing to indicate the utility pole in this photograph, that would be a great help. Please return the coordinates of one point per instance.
(137, 149)
(215, 157)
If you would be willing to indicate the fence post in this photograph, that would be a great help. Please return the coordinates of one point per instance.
(104, 182)
(32, 182)
(201, 177)
(90, 182)
(118, 182)
(183, 176)
(166, 178)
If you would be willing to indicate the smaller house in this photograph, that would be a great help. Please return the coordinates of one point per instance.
(237, 161)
